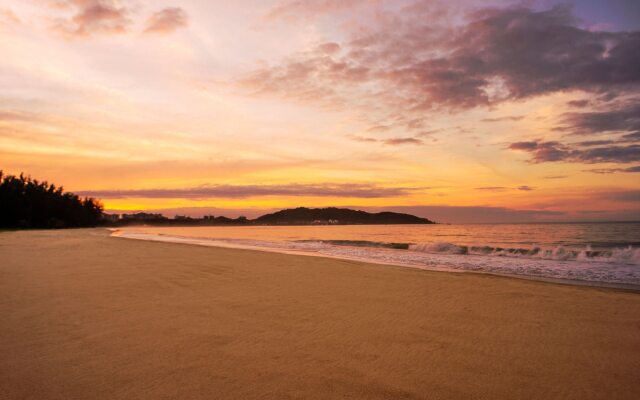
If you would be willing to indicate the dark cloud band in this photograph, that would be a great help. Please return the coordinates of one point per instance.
(246, 191)
(551, 151)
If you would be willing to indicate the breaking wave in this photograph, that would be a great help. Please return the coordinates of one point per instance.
(626, 255)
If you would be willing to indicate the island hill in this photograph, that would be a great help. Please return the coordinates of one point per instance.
(295, 216)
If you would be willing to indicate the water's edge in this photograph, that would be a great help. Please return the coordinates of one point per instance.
(117, 233)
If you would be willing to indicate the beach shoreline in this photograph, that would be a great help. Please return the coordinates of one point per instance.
(207, 242)
(90, 316)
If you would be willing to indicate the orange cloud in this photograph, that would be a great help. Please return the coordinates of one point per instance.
(8, 16)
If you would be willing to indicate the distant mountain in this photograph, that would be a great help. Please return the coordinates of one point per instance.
(337, 216)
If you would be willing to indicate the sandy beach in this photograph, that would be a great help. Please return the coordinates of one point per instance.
(88, 316)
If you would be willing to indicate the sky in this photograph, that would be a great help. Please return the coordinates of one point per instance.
(459, 111)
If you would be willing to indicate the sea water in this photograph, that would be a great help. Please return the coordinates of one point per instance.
(606, 253)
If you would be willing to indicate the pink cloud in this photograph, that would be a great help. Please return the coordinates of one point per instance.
(166, 20)
(93, 17)
(404, 63)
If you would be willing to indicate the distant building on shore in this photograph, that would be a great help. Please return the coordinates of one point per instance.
(325, 222)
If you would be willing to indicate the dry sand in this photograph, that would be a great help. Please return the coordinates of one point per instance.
(86, 316)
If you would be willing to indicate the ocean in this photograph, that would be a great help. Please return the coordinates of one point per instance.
(590, 253)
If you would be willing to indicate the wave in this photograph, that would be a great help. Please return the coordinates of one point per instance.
(626, 255)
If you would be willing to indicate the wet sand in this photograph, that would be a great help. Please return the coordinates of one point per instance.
(88, 316)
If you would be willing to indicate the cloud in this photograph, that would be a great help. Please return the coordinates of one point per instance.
(13, 116)
(589, 143)
(378, 128)
(93, 17)
(555, 151)
(9, 17)
(401, 141)
(500, 119)
(354, 190)
(504, 188)
(493, 188)
(622, 117)
(578, 103)
(614, 170)
(428, 133)
(397, 141)
(526, 146)
(363, 139)
(621, 154)
(406, 63)
(167, 20)
(621, 122)
(329, 48)
(631, 137)
(623, 196)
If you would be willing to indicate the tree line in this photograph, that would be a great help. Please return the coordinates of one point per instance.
(29, 203)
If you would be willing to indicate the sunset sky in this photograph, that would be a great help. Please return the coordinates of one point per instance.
(460, 111)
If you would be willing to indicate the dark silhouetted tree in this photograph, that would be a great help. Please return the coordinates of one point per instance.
(28, 203)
